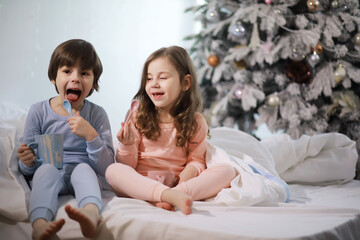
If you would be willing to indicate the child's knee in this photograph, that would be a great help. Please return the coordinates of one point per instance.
(111, 171)
(82, 167)
(46, 171)
(227, 170)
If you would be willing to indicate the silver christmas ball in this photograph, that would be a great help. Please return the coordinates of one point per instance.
(314, 59)
(273, 100)
(212, 15)
(238, 30)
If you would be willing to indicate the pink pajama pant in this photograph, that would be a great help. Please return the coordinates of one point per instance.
(125, 181)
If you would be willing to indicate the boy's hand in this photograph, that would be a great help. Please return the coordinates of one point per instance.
(26, 155)
(82, 128)
(126, 134)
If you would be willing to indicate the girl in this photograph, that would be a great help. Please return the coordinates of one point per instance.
(74, 69)
(167, 133)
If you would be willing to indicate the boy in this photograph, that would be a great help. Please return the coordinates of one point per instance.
(74, 69)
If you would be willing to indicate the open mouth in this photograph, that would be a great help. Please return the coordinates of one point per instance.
(73, 94)
(157, 94)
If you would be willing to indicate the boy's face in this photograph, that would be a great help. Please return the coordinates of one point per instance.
(74, 84)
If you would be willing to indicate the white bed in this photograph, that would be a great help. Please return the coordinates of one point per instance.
(324, 199)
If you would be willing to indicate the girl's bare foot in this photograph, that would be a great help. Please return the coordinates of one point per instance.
(165, 205)
(44, 230)
(178, 199)
(88, 218)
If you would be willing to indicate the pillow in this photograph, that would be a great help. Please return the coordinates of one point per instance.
(13, 187)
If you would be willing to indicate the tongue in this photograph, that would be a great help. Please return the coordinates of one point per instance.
(72, 97)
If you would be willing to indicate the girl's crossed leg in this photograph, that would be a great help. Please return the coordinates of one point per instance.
(125, 181)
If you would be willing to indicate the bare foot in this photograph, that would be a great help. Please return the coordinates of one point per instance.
(178, 199)
(44, 230)
(88, 218)
(165, 205)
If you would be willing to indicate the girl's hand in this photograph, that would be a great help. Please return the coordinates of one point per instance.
(82, 128)
(26, 155)
(126, 134)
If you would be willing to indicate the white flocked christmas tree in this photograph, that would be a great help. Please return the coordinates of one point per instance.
(291, 64)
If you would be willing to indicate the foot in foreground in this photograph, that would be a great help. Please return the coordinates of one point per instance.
(88, 218)
(178, 199)
(43, 230)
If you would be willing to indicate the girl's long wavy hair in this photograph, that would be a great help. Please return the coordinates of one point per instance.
(188, 102)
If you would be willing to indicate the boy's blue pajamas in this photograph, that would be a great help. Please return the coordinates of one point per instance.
(84, 162)
(79, 179)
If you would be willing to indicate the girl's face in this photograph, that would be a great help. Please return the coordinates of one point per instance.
(163, 83)
(74, 84)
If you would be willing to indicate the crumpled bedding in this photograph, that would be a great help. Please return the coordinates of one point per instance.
(322, 159)
(263, 165)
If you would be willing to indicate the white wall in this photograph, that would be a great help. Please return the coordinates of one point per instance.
(123, 32)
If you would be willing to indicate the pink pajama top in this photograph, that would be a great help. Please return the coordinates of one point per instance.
(163, 154)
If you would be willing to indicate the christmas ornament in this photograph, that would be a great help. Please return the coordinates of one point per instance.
(299, 72)
(241, 65)
(318, 49)
(238, 30)
(225, 12)
(239, 92)
(268, 2)
(314, 59)
(213, 60)
(313, 5)
(334, 4)
(212, 15)
(297, 52)
(357, 39)
(339, 74)
(272, 100)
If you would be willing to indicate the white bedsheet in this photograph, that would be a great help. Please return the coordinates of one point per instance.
(314, 212)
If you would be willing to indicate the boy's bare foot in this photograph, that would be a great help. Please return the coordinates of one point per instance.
(88, 218)
(178, 199)
(44, 230)
(165, 205)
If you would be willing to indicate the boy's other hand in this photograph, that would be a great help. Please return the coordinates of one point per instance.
(26, 155)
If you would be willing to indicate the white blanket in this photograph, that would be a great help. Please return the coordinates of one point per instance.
(257, 181)
(327, 158)
(321, 159)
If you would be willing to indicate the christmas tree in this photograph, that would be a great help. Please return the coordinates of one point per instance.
(292, 64)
